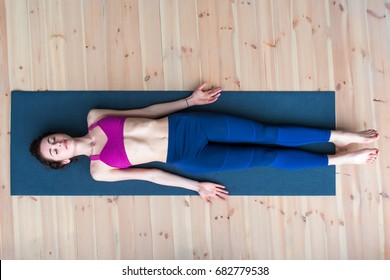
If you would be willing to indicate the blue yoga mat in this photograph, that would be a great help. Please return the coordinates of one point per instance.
(33, 113)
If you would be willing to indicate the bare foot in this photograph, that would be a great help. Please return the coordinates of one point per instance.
(342, 139)
(358, 157)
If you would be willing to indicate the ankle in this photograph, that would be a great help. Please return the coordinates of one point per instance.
(337, 159)
(336, 135)
(332, 160)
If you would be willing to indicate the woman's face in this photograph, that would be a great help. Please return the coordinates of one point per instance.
(57, 147)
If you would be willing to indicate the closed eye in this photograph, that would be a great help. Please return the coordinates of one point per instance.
(51, 140)
(53, 151)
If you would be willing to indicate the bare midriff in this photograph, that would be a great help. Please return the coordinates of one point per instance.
(146, 140)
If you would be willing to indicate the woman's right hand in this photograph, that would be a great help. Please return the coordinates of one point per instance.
(208, 190)
(203, 97)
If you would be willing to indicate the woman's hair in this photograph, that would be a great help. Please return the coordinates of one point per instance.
(35, 150)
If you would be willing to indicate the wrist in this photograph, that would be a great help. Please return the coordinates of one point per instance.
(195, 186)
(189, 102)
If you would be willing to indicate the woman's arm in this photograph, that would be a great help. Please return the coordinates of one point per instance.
(198, 97)
(206, 190)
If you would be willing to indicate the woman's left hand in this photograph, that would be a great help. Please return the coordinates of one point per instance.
(203, 97)
(208, 190)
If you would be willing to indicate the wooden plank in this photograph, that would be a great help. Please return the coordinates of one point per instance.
(67, 230)
(322, 53)
(190, 49)
(330, 217)
(171, 48)
(344, 95)
(56, 45)
(226, 32)
(38, 35)
(315, 219)
(378, 14)
(340, 222)
(181, 227)
(200, 228)
(266, 42)
(47, 228)
(208, 41)
(287, 77)
(258, 241)
(295, 227)
(126, 232)
(16, 229)
(143, 228)
(220, 230)
(367, 183)
(116, 52)
(85, 230)
(302, 25)
(150, 30)
(123, 49)
(238, 229)
(26, 231)
(276, 225)
(19, 53)
(106, 229)
(74, 45)
(94, 32)
(7, 240)
(162, 227)
(342, 76)
(28, 228)
(132, 44)
(247, 46)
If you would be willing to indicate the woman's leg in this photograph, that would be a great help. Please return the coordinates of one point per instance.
(229, 129)
(222, 157)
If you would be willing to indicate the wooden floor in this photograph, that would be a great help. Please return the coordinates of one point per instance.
(176, 44)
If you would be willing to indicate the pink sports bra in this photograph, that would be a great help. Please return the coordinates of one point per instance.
(113, 152)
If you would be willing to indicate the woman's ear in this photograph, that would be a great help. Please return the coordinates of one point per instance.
(65, 161)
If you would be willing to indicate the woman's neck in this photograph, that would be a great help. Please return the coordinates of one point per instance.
(84, 145)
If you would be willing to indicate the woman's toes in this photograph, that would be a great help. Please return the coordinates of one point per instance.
(373, 156)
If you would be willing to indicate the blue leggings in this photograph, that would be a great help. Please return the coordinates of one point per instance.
(208, 142)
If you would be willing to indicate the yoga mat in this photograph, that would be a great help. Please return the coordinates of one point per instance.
(33, 113)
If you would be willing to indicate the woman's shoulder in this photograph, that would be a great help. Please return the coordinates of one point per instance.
(92, 117)
(95, 115)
